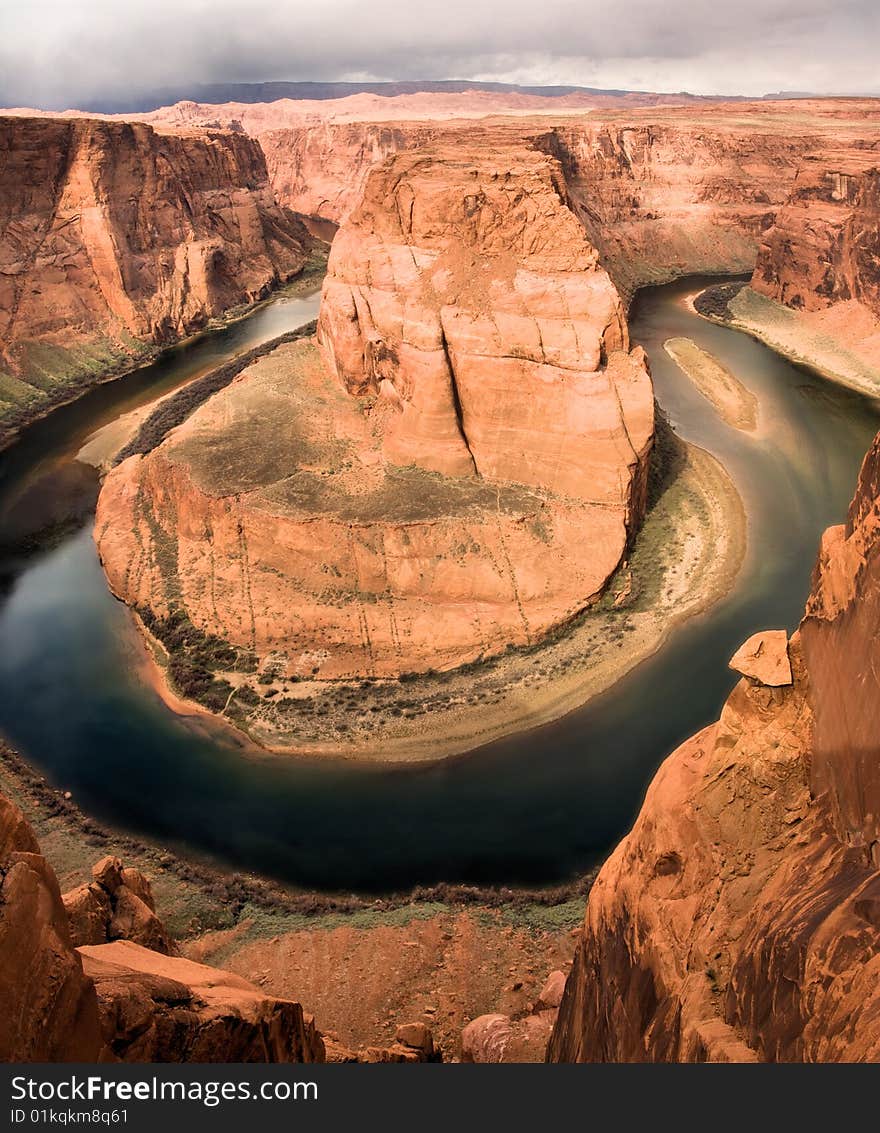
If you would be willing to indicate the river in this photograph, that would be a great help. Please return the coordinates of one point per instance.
(535, 808)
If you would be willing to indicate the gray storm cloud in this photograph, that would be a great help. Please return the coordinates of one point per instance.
(59, 54)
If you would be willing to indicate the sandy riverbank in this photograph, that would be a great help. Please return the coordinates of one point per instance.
(841, 342)
(685, 559)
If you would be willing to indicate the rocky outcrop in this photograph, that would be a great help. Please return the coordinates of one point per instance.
(464, 294)
(523, 1038)
(156, 1008)
(117, 904)
(815, 291)
(48, 1011)
(115, 238)
(468, 448)
(823, 247)
(738, 920)
(119, 1001)
(413, 1043)
(764, 658)
(321, 169)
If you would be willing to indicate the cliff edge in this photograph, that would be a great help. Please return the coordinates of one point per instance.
(739, 919)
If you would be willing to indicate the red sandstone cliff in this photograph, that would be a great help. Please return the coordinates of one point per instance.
(739, 919)
(469, 449)
(115, 238)
(823, 246)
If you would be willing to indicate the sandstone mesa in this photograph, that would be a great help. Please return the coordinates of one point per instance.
(466, 447)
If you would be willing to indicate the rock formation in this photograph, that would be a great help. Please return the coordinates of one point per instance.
(822, 248)
(156, 1008)
(119, 1001)
(116, 905)
(764, 658)
(500, 1038)
(821, 259)
(321, 170)
(115, 238)
(48, 1011)
(738, 920)
(468, 448)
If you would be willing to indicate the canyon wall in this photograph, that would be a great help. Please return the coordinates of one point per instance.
(815, 291)
(675, 196)
(662, 192)
(117, 238)
(321, 170)
(739, 919)
(468, 447)
(823, 247)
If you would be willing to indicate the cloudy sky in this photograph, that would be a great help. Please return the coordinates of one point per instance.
(59, 53)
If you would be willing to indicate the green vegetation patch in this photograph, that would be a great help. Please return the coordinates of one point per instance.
(195, 657)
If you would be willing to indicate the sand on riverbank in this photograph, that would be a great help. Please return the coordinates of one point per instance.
(685, 558)
(841, 342)
(734, 403)
(103, 445)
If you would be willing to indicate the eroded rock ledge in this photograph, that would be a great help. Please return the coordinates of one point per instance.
(455, 468)
(739, 919)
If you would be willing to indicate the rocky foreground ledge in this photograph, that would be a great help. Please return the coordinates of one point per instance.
(93, 976)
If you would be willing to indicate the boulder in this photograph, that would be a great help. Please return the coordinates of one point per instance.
(48, 1010)
(764, 658)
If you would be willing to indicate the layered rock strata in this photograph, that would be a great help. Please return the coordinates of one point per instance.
(115, 238)
(738, 921)
(663, 191)
(467, 447)
(819, 267)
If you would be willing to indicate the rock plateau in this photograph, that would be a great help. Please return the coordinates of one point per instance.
(466, 446)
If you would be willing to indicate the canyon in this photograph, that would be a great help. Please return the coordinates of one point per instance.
(470, 414)
(474, 315)
(118, 239)
(466, 441)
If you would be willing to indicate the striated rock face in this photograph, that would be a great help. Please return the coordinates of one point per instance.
(842, 649)
(157, 1008)
(464, 292)
(823, 247)
(739, 919)
(679, 195)
(321, 170)
(821, 262)
(115, 238)
(468, 448)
